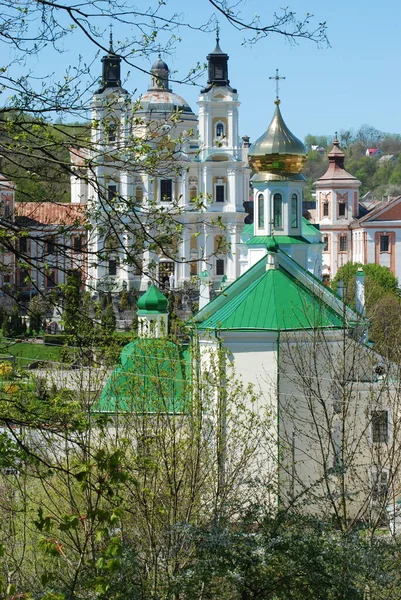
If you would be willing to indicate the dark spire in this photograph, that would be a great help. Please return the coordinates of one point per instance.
(111, 68)
(217, 66)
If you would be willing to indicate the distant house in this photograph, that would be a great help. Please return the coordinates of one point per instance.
(376, 152)
(319, 149)
(386, 158)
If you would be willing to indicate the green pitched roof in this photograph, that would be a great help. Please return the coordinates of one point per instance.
(265, 240)
(309, 228)
(273, 300)
(152, 301)
(153, 376)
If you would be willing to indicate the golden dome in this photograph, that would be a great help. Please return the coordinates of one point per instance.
(278, 151)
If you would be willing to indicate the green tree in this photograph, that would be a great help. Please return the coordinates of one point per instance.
(108, 320)
(379, 282)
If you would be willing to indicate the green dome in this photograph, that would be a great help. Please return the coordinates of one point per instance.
(271, 245)
(152, 301)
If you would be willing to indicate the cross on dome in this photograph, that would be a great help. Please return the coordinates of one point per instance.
(277, 79)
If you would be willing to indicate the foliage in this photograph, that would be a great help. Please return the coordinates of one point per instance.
(108, 321)
(283, 555)
(379, 282)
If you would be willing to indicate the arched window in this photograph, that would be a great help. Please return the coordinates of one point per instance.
(219, 130)
(277, 210)
(261, 211)
(139, 194)
(294, 210)
(193, 193)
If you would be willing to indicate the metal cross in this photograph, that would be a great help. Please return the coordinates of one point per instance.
(277, 79)
(111, 38)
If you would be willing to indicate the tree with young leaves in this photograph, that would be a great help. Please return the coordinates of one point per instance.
(34, 145)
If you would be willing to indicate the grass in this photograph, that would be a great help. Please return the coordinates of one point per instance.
(27, 352)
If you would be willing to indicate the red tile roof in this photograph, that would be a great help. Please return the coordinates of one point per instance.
(52, 213)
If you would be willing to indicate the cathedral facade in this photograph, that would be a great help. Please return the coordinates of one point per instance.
(197, 179)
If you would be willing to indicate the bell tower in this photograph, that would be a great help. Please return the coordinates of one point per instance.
(221, 170)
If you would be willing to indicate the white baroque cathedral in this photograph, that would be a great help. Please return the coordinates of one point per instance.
(204, 188)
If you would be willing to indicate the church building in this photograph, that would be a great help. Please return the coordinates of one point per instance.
(200, 186)
(350, 231)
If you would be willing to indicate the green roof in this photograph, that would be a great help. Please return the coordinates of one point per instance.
(272, 300)
(265, 240)
(153, 377)
(309, 228)
(152, 301)
(248, 229)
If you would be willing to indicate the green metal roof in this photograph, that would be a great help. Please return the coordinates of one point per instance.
(248, 229)
(152, 301)
(309, 228)
(153, 376)
(276, 301)
(265, 240)
(272, 300)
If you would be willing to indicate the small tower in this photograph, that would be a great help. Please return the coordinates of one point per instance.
(160, 76)
(217, 67)
(337, 205)
(153, 314)
(278, 158)
(111, 69)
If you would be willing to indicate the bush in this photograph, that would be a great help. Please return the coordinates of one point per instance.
(55, 340)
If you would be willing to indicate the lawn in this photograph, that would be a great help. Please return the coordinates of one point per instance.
(28, 352)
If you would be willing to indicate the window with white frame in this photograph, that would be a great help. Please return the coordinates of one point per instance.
(326, 243)
(139, 194)
(294, 210)
(220, 190)
(111, 131)
(111, 192)
(166, 190)
(277, 210)
(380, 425)
(325, 209)
(193, 193)
(342, 209)
(219, 130)
(261, 211)
(112, 267)
(343, 243)
(384, 243)
(220, 267)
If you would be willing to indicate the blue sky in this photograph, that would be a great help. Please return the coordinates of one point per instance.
(354, 81)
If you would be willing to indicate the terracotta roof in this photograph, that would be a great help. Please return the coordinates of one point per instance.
(336, 168)
(51, 213)
(385, 211)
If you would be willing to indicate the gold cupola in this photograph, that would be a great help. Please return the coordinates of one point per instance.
(277, 154)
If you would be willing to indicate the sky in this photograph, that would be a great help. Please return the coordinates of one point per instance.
(352, 82)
